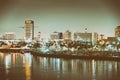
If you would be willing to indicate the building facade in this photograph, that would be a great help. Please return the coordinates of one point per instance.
(29, 29)
(83, 38)
(87, 37)
(95, 41)
(76, 36)
(112, 40)
(9, 36)
(56, 35)
(38, 36)
(67, 35)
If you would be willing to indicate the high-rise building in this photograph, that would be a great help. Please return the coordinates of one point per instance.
(117, 31)
(67, 35)
(9, 36)
(29, 29)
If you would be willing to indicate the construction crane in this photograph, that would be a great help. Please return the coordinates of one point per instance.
(22, 27)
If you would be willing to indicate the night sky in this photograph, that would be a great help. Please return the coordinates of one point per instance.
(100, 16)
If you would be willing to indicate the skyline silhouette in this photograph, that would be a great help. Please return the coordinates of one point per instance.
(60, 15)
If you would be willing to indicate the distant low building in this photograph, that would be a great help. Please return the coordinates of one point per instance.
(95, 41)
(9, 36)
(67, 35)
(112, 39)
(86, 37)
(1, 37)
(76, 36)
(56, 35)
(117, 31)
(38, 37)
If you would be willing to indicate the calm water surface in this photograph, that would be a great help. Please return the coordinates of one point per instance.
(16, 66)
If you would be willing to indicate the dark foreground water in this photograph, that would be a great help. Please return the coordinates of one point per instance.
(16, 66)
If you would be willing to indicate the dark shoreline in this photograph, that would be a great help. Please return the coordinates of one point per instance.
(71, 56)
(76, 56)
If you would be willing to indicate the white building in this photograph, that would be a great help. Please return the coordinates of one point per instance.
(9, 36)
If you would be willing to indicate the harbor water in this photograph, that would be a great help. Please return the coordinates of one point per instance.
(17, 66)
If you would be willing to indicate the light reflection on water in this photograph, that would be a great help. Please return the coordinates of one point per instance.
(27, 67)
(27, 61)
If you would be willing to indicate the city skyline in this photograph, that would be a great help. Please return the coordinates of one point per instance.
(60, 15)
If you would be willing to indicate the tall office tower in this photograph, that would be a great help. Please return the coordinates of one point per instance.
(29, 29)
(117, 31)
